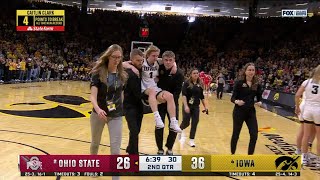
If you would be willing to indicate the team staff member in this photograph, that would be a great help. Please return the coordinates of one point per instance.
(173, 84)
(192, 94)
(106, 97)
(246, 88)
(133, 107)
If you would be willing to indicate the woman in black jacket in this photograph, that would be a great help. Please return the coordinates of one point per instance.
(192, 94)
(246, 88)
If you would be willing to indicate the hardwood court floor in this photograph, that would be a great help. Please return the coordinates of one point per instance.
(66, 135)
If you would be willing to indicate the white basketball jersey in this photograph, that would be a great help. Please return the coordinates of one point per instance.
(149, 73)
(312, 93)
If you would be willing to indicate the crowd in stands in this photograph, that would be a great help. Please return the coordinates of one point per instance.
(284, 49)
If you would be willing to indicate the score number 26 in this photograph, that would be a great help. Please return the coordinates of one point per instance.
(123, 163)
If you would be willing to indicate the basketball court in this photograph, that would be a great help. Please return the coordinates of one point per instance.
(53, 118)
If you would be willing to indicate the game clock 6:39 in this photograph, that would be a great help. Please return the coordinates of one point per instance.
(153, 159)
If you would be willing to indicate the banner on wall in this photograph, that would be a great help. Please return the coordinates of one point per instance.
(281, 98)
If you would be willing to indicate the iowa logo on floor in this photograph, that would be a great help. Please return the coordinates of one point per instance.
(60, 110)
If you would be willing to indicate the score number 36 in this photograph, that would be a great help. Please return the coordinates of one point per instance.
(197, 163)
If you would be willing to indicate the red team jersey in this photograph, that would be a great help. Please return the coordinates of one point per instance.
(202, 75)
(207, 79)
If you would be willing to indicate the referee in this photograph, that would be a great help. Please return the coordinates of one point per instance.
(173, 84)
(132, 105)
(245, 90)
(221, 84)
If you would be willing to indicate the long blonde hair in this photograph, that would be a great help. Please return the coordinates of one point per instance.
(151, 49)
(316, 75)
(101, 66)
(242, 76)
(189, 80)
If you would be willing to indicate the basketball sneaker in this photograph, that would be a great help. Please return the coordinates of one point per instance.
(169, 152)
(159, 122)
(317, 163)
(191, 143)
(175, 126)
(305, 159)
(160, 152)
(298, 151)
(312, 156)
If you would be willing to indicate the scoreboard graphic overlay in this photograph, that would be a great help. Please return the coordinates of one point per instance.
(184, 165)
(40, 20)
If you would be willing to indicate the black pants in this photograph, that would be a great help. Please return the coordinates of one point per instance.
(5, 74)
(162, 108)
(247, 115)
(134, 118)
(10, 75)
(194, 116)
(219, 91)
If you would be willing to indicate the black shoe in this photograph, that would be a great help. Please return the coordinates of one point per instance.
(169, 152)
(160, 152)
